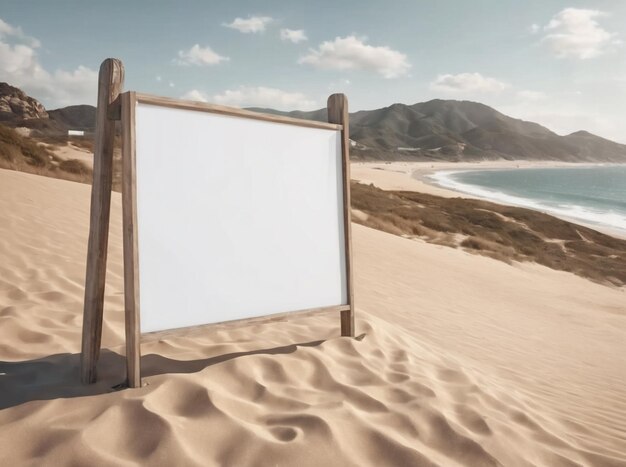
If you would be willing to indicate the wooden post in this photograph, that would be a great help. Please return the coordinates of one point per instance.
(131, 251)
(110, 83)
(337, 108)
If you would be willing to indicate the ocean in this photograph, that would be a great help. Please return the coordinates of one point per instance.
(593, 195)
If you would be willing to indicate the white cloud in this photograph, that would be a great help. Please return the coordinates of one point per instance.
(197, 55)
(293, 35)
(534, 28)
(7, 30)
(528, 95)
(158, 78)
(194, 95)
(575, 33)
(20, 66)
(259, 96)
(253, 24)
(467, 83)
(351, 53)
(80, 82)
(18, 60)
(247, 96)
(339, 85)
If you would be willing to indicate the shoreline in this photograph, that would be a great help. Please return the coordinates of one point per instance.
(416, 176)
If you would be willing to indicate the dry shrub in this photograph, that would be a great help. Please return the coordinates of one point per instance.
(74, 166)
(502, 232)
(23, 154)
(380, 224)
(473, 243)
(83, 142)
(9, 153)
(22, 148)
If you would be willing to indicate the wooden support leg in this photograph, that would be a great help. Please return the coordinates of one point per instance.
(337, 107)
(110, 82)
(131, 259)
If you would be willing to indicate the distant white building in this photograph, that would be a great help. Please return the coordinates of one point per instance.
(75, 133)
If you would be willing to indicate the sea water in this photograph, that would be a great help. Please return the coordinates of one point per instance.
(594, 195)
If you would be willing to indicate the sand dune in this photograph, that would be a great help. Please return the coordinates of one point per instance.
(460, 360)
(71, 151)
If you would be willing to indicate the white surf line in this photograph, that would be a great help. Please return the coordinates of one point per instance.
(608, 219)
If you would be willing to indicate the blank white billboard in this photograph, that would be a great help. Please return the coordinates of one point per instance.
(236, 217)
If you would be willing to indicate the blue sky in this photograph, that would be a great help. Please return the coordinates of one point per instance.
(562, 64)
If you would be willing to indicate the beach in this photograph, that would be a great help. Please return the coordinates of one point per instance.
(418, 176)
(413, 176)
(269, 235)
(459, 359)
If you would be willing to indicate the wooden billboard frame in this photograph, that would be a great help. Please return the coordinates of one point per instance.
(114, 105)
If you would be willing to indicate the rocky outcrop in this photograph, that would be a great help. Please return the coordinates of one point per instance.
(16, 105)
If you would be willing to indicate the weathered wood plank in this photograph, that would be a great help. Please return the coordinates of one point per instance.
(150, 336)
(131, 250)
(235, 112)
(110, 83)
(337, 107)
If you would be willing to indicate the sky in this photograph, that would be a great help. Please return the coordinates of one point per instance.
(559, 63)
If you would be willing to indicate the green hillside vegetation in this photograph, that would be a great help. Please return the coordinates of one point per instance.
(25, 155)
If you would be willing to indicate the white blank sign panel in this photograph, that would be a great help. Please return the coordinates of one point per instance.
(236, 217)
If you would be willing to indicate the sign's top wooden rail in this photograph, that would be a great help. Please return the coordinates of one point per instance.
(232, 111)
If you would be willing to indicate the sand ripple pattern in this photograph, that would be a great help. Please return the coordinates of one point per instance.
(411, 390)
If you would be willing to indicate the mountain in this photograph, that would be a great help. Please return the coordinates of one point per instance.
(75, 117)
(439, 129)
(589, 143)
(17, 109)
(462, 130)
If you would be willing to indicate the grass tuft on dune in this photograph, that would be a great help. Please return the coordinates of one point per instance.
(506, 233)
(24, 154)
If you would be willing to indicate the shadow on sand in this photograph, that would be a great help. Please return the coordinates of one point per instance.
(57, 376)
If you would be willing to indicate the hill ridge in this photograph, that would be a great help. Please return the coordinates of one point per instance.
(438, 129)
(457, 130)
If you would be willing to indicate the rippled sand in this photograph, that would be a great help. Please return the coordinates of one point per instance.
(460, 360)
